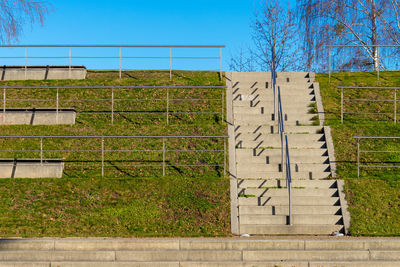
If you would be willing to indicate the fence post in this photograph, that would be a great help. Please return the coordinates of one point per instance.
(112, 105)
(377, 58)
(222, 106)
(395, 106)
(329, 63)
(26, 61)
(4, 105)
(41, 151)
(224, 157)
(358, 157)
(57, 103)
(120, 62)
(102, 157)
(163, 155)
(341, 106)
(220, 64)
(170, 63)
(167, 114)
(69, 70)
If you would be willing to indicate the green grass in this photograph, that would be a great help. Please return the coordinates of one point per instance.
(374, 198)
(128, 201)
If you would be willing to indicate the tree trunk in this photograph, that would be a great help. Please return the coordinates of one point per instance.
(374, 38)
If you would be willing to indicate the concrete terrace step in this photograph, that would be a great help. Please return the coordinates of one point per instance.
(267, 119)
(295, 168)
(289, 230)
(266, 129)
(327, 184)
(296, 219)
(254, 174)
(284, 210)
(260, 109)
(277, 152)
(283, 200)
(245, 159)
(270, 103)
(299, 192)
(243, 142)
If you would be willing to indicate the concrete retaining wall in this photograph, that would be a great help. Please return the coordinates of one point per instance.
(43, 73)
(31, 168)
(37, 116)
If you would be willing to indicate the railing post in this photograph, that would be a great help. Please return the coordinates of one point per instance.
(112, 105)
(377, 58)
(341, 106)
(329, 63)
(26, 62)
(358, 157)
(163, 155)
(224, 157)
(170, 63)
(41, 151)
(57, 104)
(70, 61)
(395, 106)
(102, 157)
(120, 62)
(4, 105)
(167, 113)
(220, 64)
(222, 106)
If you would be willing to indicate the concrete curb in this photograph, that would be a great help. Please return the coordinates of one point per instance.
(320, 107)
(232, 156)
(344, 206)
(331, 150)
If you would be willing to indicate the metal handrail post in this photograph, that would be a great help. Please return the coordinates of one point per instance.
(4, 105)
(120, 62)
(167, 113)
(102, 157)
(341, 106)
(395, 106)
(163, 155)
(26, 62)
(289, 179)
(112, 105)
(170, 64)
(70, 63)
(220, 64)
(329, 62)
(358, 157)
(57, 104)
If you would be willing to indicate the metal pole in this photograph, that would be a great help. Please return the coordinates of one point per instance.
(26, 61)
(69, 71)
(163, 160)
(170, 64)
(329, 63)
(377, 58)
(41, 151)
(395, 106)
(222, 106)
(4, 105)
(224, 157)
(220, 64)
(57, 103)
(112, 105)
(341, 106)
(167, 106)
(102, 157)
(358, 157)
(120, 62)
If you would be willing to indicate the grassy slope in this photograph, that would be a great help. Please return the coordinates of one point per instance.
(131, 204)
(374, 198)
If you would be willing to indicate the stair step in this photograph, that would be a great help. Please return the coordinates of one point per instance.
(273, 160)
(275, 167)
(260, 144)
(260, 183)
(275, 138)
(277, 152)
(289, 230)
(283, 200)
(284, 210)
(266, 129)
(243, 173)
(272, 192)
(297, 219)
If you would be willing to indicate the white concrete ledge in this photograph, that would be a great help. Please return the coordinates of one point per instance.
(48, 72)
(15, 116)
(31, 168)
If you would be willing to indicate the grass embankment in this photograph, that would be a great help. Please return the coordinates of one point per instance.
(127, 201)
(374, 198)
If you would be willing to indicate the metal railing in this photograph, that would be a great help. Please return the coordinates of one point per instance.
(118, 56)
(285, 156)
(359, 151)
(99, 152)
(394, 100)
(111, 100)
(362, 58)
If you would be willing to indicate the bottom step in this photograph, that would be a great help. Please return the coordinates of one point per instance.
(290, 229)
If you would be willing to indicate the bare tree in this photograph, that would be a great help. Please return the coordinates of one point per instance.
(14, 14)
(345, 22)
(275, 40)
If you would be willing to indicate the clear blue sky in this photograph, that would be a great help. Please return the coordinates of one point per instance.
(180, 22)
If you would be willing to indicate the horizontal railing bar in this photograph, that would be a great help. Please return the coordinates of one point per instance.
(377, 166)
(368, 100)
(376, 137)
(114, 136)
(110, 58)
(109, 99)
(115, 87)
(370, 113)
(138, 46)
(367, 87)
(361, 46)
(107, 150)
(146, 112)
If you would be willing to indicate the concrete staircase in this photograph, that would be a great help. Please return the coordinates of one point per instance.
(200, 252)
(258, 186)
